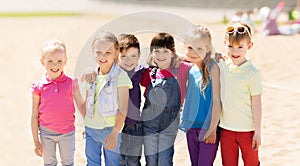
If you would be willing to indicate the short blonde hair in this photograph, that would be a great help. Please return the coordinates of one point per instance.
(51, 46)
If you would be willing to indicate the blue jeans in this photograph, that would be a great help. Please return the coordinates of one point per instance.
(159, 137)
(94, 145)
(66, 145)
(131, 145)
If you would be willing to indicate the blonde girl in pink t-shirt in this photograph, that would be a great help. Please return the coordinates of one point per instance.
(53, 108)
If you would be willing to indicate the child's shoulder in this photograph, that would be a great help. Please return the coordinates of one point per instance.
(251, 67)
(142, 67)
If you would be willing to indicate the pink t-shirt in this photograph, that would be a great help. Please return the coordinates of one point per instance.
(56, 107)
(181, 74)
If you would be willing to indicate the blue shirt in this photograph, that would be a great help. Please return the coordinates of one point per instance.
(197, 107)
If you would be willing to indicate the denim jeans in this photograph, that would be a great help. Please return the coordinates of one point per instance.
(159, 137)
(66, 145)
(131, 145)
(94, 145)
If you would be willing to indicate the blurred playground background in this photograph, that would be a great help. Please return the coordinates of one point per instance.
(25, 25)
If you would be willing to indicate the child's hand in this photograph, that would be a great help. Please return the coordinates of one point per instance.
(256, 141)
(210, 138)
(83, 135)
(219, 55)
(38, 149)
(89, 77)
(111, 141)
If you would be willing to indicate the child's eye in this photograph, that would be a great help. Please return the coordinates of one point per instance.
(199, 49)
(189, 48)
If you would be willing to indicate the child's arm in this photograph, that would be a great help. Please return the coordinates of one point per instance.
(219, 55)
(256, 108)
(38, 150)
(80, 103)
(111, 140)
(210, 135)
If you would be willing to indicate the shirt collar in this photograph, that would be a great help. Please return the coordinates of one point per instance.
(233, 67)
(46, 80)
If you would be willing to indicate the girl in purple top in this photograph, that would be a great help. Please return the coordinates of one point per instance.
(53, 107)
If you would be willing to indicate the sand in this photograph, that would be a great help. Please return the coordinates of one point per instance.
(21, 38)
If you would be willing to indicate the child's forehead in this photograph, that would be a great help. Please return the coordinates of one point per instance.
(130, 50)
(100, 44)
(242, 41)
(160, 48)
(54, 54)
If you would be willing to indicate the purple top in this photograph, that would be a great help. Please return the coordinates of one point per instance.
(134, 114)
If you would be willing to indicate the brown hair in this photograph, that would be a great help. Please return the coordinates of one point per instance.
(236, 38)
(127, 41)
(163, 40)
(203, 34)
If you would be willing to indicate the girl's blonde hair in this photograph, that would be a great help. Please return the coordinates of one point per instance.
(106, 37)
(163, 40)
(203, 34)
(51, 46)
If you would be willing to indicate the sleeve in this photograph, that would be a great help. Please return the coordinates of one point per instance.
(145, 81)
(75, 85)
(255, 84)
(35, 89)
(124, 80)
(183, 78)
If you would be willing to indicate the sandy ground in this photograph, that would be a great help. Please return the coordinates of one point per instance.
(21, 39)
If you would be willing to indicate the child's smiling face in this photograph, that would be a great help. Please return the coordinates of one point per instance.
(54, 63)
(238, 51)
(105, 54)
(128, 59)
(162, 57)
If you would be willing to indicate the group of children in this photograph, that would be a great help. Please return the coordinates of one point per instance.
(225, 94)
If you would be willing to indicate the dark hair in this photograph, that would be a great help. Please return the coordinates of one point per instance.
(127, 41)
(163, 40)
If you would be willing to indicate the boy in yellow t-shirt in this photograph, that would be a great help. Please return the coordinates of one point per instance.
(240, 121)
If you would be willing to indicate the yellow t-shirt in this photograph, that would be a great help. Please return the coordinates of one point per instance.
(238, 84)
(98, 122)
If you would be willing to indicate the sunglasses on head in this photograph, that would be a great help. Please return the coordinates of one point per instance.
(238, 29)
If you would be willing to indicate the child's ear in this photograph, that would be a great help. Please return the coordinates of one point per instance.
(42, 61)
(250, 45)
(66, 60)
